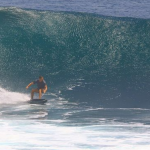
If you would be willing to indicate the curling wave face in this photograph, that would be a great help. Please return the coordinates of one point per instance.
(95, 59)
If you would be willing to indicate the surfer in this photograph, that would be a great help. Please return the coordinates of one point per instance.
(41, 87)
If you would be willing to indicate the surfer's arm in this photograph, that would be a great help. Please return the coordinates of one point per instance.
(45, 89)
(29, 85)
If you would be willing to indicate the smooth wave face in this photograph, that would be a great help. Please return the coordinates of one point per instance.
(98, 60)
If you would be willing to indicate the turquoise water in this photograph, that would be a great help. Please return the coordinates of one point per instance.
(97, 71)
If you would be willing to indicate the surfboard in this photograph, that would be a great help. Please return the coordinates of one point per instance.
(37, 101)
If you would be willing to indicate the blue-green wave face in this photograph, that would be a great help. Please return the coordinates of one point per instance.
(106, 60)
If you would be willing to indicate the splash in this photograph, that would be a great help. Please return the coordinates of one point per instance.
(8, 97)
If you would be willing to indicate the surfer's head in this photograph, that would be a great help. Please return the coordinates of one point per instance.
(41, 78)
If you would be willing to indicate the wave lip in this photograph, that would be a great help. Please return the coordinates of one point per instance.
(124, 8)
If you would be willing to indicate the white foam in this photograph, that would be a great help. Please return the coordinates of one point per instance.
(38, 115)
(8, 97)
(23, 134)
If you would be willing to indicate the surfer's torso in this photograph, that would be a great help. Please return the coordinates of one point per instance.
(40, 85)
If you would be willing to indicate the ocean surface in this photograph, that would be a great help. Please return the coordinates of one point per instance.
(94, 56)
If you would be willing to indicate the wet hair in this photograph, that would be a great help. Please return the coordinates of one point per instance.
(40, 77)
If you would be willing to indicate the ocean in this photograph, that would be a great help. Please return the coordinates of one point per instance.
(95, 59)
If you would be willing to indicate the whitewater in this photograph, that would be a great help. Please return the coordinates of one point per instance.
(96, 66)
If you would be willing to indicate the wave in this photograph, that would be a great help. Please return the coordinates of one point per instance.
(87, 58)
